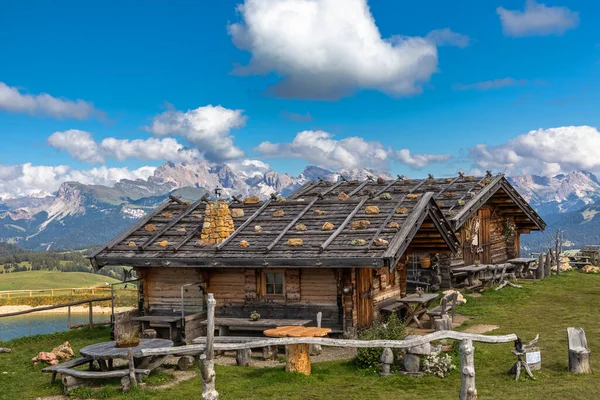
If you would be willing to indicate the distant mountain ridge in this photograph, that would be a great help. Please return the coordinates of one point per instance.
(79, 215)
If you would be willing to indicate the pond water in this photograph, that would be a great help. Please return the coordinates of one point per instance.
(36, 324)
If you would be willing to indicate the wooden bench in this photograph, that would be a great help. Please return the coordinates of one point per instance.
(391, 308)
(73, 378)
(68, 364)
(579, 353)
(439, 315)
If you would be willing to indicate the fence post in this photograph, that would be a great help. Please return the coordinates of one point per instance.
(91, 311)
(467, 370)
(539, 272)
(52, 292)
(69, 317)
(207, 363)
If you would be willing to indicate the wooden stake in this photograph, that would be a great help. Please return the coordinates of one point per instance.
(467, 369)
(207, 363)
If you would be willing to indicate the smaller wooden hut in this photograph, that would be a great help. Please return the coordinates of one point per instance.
(336, 248)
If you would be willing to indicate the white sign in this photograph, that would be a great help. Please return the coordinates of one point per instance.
(534, 357)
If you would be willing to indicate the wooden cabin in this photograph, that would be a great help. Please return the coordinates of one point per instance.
(486, 213)
(336, 248)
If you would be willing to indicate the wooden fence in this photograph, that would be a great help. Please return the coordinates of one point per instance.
(206, 351)
(7, 294)
(68, 305)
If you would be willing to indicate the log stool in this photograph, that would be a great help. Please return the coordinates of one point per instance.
(579, 353)
(297, 358)
(412, 358)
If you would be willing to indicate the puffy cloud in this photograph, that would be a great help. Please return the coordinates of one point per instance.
(447, 37)
(81, 145)
(543, 151)
(418, 161)
(537, 19)
(209, 128)
(250, 168)
(319, 148)
(492, 84)
(28, 179)
(326, 49)
(12, 100)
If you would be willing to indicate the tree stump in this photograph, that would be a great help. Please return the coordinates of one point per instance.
(579, 362)
(444, 323)
(412, 363)
(269, 352)
(387, 358)
(71, 383)
(539, 272)
(297, 358)
(184, 363)
(242, 357)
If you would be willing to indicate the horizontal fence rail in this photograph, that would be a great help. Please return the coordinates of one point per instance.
(206, 350)
(7, 294)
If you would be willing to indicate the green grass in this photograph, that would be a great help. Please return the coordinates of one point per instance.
(547, 307)
(32, 280)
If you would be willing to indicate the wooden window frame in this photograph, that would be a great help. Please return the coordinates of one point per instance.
(263, 285)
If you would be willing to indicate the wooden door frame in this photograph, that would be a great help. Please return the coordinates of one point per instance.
(364, 303)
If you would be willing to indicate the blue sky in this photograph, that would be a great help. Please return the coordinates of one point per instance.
(492, 82)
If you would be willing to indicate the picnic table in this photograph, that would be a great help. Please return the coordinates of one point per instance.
(417, 305)
(225, 324)
(523, 265)
(297, 357)
(171, 321)
(104, 353)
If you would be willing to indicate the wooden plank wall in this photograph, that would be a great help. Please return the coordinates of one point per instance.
(162, 290)
(387, 286)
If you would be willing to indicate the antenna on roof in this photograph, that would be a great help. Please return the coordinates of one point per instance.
(218, 191)
(488, 174)
(401, 177)
(431, 176)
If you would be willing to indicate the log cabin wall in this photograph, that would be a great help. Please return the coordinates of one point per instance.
(387, 286)
(162, 290)
(499, 243)
(305, 293)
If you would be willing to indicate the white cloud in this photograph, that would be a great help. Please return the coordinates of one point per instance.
(418, 161)
(329, 48)
(537, 19)
(543, 151)
(28, 179)
(319, 148)
(12, 100)
(250, 168)
(492, 84)
(209, 128)
(82, 146)
(447, 37)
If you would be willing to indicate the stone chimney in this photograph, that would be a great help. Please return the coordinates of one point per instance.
(218, 224)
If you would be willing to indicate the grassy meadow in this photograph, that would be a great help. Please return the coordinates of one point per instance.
(34, 280)
(546, 307)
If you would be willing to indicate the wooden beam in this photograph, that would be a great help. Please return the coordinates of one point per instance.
(448, 186)
(291, 224)
(176, 200)
(132, 229)
(244, 224)
(343, 225)
(385, 222)
(362, 185)
(189, 236)
(388, 186)
(174, 222)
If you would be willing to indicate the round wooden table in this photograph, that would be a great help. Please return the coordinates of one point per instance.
(107, 351)
(297, 357)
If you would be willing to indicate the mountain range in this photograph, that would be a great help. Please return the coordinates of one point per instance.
(79, 215)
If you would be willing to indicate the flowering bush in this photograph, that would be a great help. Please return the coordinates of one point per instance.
(392, 329)
(438, 365)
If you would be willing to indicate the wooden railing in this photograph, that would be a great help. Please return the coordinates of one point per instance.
(68, 305)
(56, 292)
(206, 351)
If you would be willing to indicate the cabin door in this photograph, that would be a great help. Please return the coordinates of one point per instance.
(364, 298)
(485, 240)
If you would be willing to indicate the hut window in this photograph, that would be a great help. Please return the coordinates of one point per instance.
(274, 283)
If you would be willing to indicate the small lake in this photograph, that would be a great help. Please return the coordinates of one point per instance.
(36, 324)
